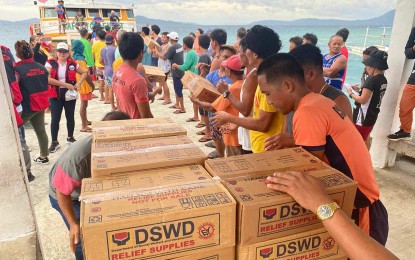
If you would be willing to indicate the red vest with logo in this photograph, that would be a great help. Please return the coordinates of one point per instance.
(70, 76)
(33, 82)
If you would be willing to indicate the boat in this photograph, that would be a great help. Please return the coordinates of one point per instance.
(49, 23)
(358, 50)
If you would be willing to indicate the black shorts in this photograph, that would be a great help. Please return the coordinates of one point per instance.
(375, 218)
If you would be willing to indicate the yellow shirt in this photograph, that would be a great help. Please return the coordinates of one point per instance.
(258, 138)
(85, 87)
(96, 51)
(117, 63)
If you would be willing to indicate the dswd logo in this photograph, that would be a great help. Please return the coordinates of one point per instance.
(266, 252)
(269, 213)
(121, 238)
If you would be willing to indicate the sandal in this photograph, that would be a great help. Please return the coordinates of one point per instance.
(166, 102)
(213, 155)
(192, 120)
(210, 144)
(179, 112)
(201, 132)
(205, 139)
(200, 125)
(88, 130)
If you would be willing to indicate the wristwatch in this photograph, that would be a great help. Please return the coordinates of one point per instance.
(226, 94)
(326, 211)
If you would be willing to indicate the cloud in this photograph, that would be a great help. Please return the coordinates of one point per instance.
(232, 11)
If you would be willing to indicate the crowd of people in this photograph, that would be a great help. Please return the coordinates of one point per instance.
(270, 100)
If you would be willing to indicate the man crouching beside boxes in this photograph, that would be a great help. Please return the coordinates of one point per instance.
(65, 180)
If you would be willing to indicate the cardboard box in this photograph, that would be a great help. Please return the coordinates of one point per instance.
(200, 87)
(135, 129)
(221, 254)
(313, 244)
(127, 182)
(151, 43)
(264, 163)
(153, 220)
(134, 155)
(155, 72)
(264, 214)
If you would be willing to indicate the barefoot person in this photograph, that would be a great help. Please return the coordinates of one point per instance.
(321, 128)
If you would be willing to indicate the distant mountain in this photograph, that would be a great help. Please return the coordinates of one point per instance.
(384, 20)
(22, 22)
(142, 20)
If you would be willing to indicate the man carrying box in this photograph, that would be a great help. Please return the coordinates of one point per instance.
(321, 128)
(65, 180)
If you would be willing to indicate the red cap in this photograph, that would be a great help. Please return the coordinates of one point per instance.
(233, 62)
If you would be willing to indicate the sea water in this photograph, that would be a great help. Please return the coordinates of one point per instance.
(10, 34)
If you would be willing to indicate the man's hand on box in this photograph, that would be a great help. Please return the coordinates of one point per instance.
(279, 141)
(307, 190)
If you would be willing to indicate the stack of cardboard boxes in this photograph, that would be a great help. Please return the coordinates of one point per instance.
(272, 225)
(150, 198)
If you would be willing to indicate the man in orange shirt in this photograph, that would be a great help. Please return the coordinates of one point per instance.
(323, 129)
(234, 71)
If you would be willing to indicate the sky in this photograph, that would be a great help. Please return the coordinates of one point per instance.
(229, 11)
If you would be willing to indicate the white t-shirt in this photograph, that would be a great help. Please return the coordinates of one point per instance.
(243, 133)
(61, 71)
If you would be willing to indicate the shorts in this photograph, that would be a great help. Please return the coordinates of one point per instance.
(364, 131)
(85, 97)
(233, 150)
(100, 73)
(216, 133)
(203, 112)
(108, 81)
(178, 86)
(373, 220)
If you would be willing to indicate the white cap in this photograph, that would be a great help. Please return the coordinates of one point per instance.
(62, 46)
(174, 36)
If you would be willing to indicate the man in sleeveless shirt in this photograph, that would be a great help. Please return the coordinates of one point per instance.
(334, 63)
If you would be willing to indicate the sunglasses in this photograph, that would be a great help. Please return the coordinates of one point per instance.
(62, 51)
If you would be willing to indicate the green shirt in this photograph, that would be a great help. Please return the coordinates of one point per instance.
(191, 61)
(88, 53)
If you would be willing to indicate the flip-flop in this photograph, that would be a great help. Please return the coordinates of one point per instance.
(201, 133)
(179, 112)
(200, 125)
(162, 98)
(174, 106)
(191, 120)
(213, 155)
(88, 130)
(205, 139)
(210, 144)
(166, 102)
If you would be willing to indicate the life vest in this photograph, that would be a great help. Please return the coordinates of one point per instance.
(33, 82)
(70, 76)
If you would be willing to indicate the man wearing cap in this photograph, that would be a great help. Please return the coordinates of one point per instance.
(114, 18)
(234, 71)
(60, 9)
(108, 58)
(407, 104)
(175, 55)
(369, 98)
